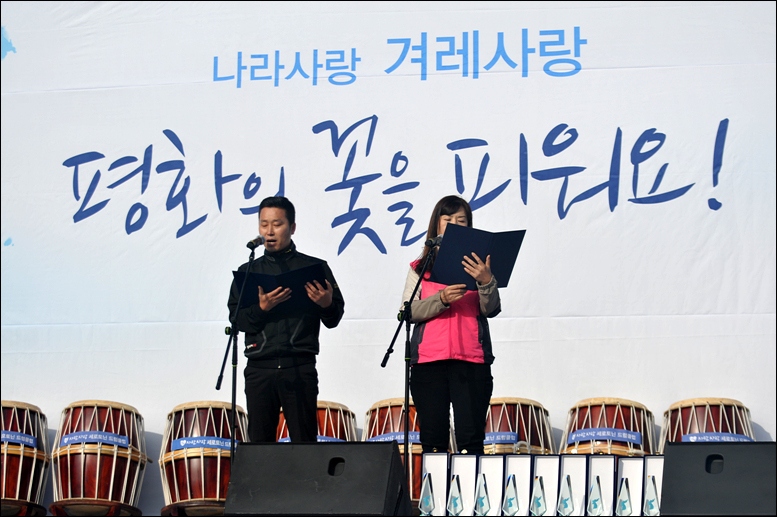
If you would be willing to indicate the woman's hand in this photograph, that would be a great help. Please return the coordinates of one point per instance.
(477, 269)
(453, 293)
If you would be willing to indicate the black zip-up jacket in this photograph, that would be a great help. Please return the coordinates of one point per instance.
(280, 335)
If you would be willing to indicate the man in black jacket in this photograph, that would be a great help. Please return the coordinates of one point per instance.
(281, 341)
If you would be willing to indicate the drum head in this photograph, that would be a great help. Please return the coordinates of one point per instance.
(609, 401)
(397, 402)
(706, 402)
(333, 405)
(22, 405)
(102, 403)
(205, 404)
(516, 400)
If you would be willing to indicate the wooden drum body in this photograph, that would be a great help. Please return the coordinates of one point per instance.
(609, 426)
(99, 459)
(24, 460)
(336, 423)
(515, 426)
(195, 458)
(706, 419)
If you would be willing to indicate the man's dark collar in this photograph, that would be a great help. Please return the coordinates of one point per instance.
(283, 254)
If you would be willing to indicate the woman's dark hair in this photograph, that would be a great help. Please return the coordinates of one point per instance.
(448, 205)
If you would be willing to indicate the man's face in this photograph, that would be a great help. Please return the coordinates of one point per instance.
(275, 228)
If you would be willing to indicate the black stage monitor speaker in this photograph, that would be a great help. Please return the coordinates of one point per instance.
(719, 478)
(342, 478)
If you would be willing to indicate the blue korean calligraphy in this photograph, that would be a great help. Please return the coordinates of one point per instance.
(75, 161)
(653, 180)
(404, 207)
(717, 160)
(250, 188)
(645, 147)
(176, 199)
(356, 216)
(639, 156)
(475, 202)
(307, 66)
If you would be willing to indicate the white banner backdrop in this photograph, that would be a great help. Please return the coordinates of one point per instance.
(635, 142)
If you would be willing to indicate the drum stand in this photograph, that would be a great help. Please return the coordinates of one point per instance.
(93, 507)
(198, 508)
(233, 333)
(404, 317)
(20, 507)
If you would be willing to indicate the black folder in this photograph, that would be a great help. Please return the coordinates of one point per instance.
(459, 241)
(294, 279)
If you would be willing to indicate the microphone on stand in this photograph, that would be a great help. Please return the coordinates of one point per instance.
(256, 242)
(434, 242)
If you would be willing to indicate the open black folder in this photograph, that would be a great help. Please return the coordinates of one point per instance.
(459, 241)
(294, 279)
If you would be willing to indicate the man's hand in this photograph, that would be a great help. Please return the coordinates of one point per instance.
(269, 300)
(320, 296)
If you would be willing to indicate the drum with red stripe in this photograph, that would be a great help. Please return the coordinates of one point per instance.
(335, 422)
(707, 420)
(517, 426)
(24, 460)
(195, 459)
(99, 459)
(609, 426)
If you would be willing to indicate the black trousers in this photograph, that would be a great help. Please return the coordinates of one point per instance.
(295, 389)
(437, 385)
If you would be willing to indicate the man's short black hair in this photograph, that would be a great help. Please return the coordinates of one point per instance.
(279, 202)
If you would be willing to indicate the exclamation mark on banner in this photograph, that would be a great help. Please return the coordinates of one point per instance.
(717, 160)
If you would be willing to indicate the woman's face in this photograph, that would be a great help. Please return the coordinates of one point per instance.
(459, 218)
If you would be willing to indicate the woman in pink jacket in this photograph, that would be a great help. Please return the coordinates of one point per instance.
(451, 353)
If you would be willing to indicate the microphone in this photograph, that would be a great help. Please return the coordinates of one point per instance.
(256, 242)
(434, 242)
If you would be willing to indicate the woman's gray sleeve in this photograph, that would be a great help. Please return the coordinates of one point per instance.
(421, 310)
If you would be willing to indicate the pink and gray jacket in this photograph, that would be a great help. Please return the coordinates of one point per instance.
(459, 331)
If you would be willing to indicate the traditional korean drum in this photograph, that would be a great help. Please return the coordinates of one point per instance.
(706, 420)
(515, 426)
(195, 458)
(24, 459)
(609, 426)
(99, 459)
(385, 422)
(336, 423)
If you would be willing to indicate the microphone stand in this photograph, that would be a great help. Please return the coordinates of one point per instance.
(232, 341)
(404, 316)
